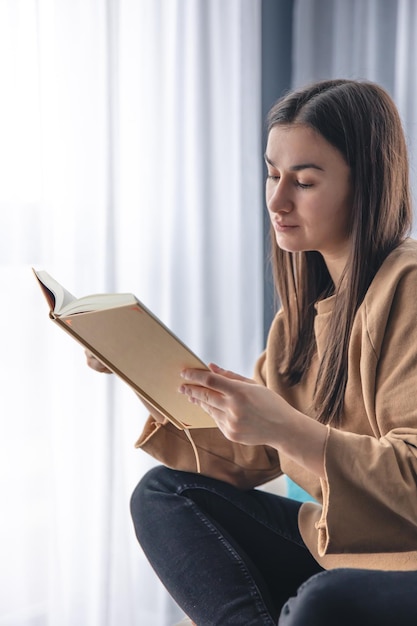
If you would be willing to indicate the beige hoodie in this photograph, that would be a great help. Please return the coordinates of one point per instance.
(366, 514)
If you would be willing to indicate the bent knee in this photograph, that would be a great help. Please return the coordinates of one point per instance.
(320, 601)
(144, 501)
(152, 482)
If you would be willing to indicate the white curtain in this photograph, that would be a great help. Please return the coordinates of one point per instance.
(372, 39)
(130, 160)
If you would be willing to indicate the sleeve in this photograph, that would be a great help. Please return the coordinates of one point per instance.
(243, 466)
(370, 492)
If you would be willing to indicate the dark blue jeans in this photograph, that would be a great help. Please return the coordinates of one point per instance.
(353, 597)
(228, 557)
(236, 558)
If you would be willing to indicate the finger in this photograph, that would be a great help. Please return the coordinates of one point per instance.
(217, 414)
(203, 396)
(212, 380)
(229, 374)
(95, 364)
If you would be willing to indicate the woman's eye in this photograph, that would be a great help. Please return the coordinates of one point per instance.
(272, 177)
(303, 185)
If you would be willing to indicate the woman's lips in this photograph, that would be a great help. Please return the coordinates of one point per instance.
(280, 227)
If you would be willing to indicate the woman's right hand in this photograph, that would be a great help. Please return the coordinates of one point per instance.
(95, 364)
(98, 366)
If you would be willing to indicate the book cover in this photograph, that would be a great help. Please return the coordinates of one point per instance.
(133, 343)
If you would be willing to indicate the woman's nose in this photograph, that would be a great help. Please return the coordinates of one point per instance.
(279, 200)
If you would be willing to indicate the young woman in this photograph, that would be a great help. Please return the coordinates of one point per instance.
(333, 403)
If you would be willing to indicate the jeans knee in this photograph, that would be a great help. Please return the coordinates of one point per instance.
(141, 500)
(320, 601)
(149, 484)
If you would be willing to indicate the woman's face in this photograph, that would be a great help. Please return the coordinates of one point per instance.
(308, 194)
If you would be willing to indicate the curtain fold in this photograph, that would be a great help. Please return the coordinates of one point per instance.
(131, 159)
(368, 39)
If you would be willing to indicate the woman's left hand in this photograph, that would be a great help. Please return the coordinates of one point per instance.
(251, 414)
(244, 411)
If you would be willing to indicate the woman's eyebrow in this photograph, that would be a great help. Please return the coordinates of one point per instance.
(298, 167)
(305, 166)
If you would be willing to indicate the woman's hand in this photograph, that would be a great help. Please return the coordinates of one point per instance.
(244, 411)
(98, 366)
(252, 414)
(95, 364)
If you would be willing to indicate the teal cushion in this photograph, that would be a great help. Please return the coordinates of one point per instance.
(296, 493)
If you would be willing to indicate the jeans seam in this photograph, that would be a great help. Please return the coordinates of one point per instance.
(191, 485)
(254, 591)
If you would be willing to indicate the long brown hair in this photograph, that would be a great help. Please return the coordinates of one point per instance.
(359, 119)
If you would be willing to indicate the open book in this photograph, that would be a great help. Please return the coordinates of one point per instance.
(134, 344)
